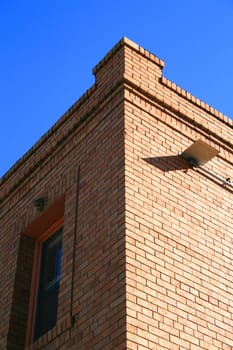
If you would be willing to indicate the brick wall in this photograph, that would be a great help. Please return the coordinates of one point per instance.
(147, 240)
(79, 166)
(178, 221)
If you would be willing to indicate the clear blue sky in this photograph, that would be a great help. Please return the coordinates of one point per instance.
(49, 47)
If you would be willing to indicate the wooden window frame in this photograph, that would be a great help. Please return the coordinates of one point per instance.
(35, 277)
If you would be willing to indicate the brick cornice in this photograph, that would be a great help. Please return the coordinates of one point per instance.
(196, 101)
(135, 47)
(178, 114)
(90, 93)
(83, 118)
(62, 120)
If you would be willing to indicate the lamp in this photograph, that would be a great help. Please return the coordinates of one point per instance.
(41, 202)
(199, 153)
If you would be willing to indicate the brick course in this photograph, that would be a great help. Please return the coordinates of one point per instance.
(147, 256)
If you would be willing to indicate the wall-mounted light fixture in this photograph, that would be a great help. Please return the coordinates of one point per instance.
(198, 154)
(41, 202)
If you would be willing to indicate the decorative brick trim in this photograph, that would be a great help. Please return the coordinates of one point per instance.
(196, 101)
(82, 119)
(49, 133)
(161, 104)
(127, 42)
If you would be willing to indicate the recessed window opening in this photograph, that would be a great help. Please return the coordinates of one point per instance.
(43, 305)
(48, 284)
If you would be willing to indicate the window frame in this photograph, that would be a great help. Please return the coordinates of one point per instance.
(52, 229)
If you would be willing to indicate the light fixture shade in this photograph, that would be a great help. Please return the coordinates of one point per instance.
(199, 153)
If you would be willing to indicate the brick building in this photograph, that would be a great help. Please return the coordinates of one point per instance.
(116, 227)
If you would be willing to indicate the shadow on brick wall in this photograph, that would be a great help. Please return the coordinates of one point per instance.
(168, 163)
(173, 163)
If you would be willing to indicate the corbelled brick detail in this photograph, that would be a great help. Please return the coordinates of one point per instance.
(147, 247)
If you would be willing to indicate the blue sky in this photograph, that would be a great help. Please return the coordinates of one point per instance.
(49, 47)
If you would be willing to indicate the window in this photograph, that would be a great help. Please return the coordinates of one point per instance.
(42, 307)
(48, 284)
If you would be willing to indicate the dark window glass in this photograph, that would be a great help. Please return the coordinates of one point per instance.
(50, 270)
